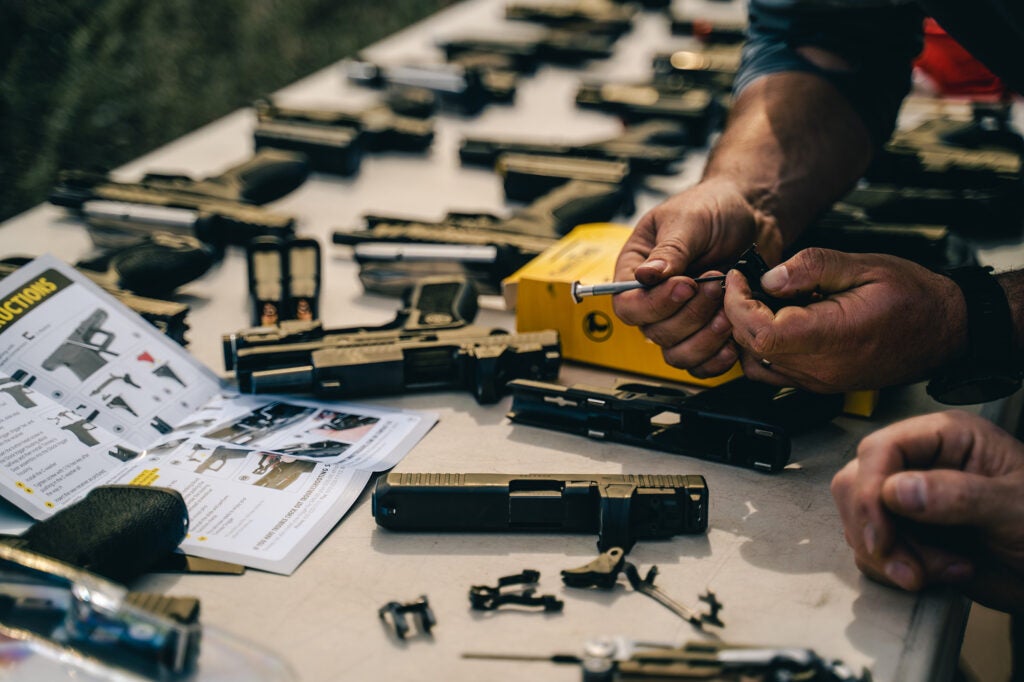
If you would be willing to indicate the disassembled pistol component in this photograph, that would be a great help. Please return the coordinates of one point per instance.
(83, 615)
(742, 422)
(118, 401)
(484, 598)
(394, 613)
(603, 573)
(620, 508)
(617, 659)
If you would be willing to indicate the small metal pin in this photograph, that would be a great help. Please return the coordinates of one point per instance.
(579, 291)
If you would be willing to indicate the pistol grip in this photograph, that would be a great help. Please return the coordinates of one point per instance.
(116, 531)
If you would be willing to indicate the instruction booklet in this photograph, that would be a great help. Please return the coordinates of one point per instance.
(91, 394)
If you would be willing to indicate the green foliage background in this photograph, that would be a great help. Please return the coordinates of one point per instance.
(94, 83)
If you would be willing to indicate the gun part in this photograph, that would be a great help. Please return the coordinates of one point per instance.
(603, 573)
(430, 305)
(79, 614)
(620, 508)
(517, 239)
(463, 89)
(217, 210)
(479, 360)
(581, 16)
(486, 598)
(156, 265)
(334, 141)
(116, 531)
(743, 423)
(556, 46)
(710, 67)
(394, 613)
(618, 659)
(648, 147)
(696, 107)
(379, 127)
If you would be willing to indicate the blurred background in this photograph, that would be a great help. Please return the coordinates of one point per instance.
(92, 84)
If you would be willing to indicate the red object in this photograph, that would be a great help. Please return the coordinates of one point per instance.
(951, 68)
(145, 357)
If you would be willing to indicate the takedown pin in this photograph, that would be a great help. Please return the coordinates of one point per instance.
(579, 291)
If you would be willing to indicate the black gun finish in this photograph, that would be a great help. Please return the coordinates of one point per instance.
(480, 360)
(742, 423)
(620, 508)
(648, 147)
(224, 209)
(116, 531)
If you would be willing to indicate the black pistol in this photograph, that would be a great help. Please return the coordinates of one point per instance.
(743, 423)
(620, 508)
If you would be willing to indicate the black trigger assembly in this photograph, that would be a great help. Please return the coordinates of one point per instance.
(395, 614)
(603, 573)
(485, 598)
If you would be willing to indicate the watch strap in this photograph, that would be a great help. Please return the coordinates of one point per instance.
(990, 369)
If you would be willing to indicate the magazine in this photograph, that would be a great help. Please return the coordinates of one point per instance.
(91, 394)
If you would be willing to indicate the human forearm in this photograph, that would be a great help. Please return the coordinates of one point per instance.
(793, 145)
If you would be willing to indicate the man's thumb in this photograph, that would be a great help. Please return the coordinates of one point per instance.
(821, 270)
(947, 497)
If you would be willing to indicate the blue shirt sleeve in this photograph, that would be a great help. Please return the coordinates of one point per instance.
(879, 42)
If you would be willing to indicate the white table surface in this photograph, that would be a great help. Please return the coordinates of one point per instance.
(774, 553)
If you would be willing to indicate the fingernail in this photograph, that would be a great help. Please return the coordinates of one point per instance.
(870, 540)
(656, 264)
(900, 573)
(957, 572)
(775, 278)
(910, 492)
(682, 292)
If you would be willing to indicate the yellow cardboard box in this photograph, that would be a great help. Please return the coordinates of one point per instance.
(540, 293)
(590, 332)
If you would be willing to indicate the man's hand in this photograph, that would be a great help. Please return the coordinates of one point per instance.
(881, 321)
(704, 227)
(938, 499)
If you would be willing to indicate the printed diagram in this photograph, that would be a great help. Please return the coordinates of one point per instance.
(19, 392)
(76, 425)
(216, 459)
(83, 351)
(259, 423)
(349, 427)
(277, 472)
(337, 430)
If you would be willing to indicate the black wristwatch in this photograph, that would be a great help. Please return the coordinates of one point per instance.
(991, 368)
